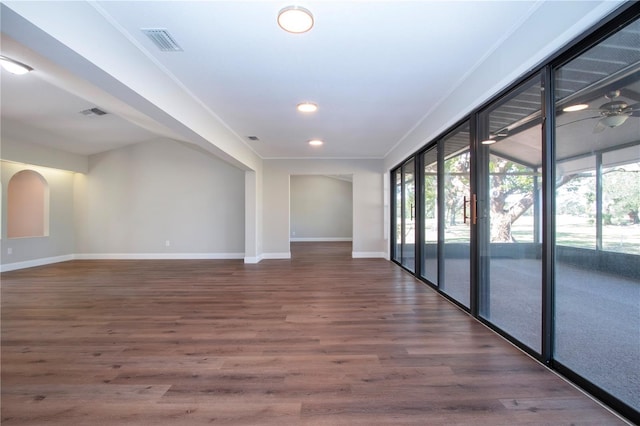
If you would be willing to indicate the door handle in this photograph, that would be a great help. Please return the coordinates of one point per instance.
(464, 209)
(474, 209)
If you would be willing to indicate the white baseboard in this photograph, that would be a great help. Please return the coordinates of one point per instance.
(253, 259)
(35, 262)
(368, 254)
(284, 255)
(118, 256)
(162, 256)
(320, 239)
(158, 256)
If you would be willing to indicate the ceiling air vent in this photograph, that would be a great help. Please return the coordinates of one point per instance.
(162, 39)
(93, 111)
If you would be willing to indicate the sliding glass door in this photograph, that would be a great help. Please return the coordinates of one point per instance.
(405, 215)
(429, 268)
(597, 199)
(509, 185)
(397, 216)
(409, 215)
(456, 199)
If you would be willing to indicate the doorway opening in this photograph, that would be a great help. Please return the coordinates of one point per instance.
(321, 215)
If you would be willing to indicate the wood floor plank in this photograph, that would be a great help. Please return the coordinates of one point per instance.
(321, 339)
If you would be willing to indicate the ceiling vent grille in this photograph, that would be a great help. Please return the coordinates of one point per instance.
(162, 39)
(93, 111)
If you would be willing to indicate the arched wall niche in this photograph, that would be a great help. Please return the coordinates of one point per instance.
(27, 205)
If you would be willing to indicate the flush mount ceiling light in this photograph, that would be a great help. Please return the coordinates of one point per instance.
(13, 66)
(315, 142)
(574, 108)
(295, 19)
(488, 142)
(307, 107)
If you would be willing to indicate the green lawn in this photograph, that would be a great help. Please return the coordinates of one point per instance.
(571, 231)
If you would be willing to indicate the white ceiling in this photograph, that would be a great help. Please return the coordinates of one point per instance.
(376, 69)
(36, 110)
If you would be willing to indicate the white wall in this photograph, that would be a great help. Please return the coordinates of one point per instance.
(252, 216)
(368, 215)
(22, 144)
(59, 244)
(136, 198)
(321, 208)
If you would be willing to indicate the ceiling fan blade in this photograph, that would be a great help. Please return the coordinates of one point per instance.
(599, 127)
(578, 120)
(633, 110)
(614, 106)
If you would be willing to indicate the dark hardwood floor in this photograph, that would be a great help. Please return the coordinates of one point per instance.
(321, 339)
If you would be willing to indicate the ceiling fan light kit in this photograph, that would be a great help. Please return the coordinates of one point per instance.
(612, 114)
(614, 120)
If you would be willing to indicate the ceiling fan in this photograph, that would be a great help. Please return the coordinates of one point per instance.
(612, 114)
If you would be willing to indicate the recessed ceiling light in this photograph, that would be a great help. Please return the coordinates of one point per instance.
(295, 19)
(307, 107)
(13, 66)
(488, 142)
(577, 107)
(315, 142)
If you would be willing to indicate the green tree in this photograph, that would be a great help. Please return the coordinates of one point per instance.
(621, 194)
(456, 182)
(508, 179)
(511, 192)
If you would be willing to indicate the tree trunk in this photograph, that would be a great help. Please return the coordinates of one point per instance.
(501, 228)
(502, 219)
